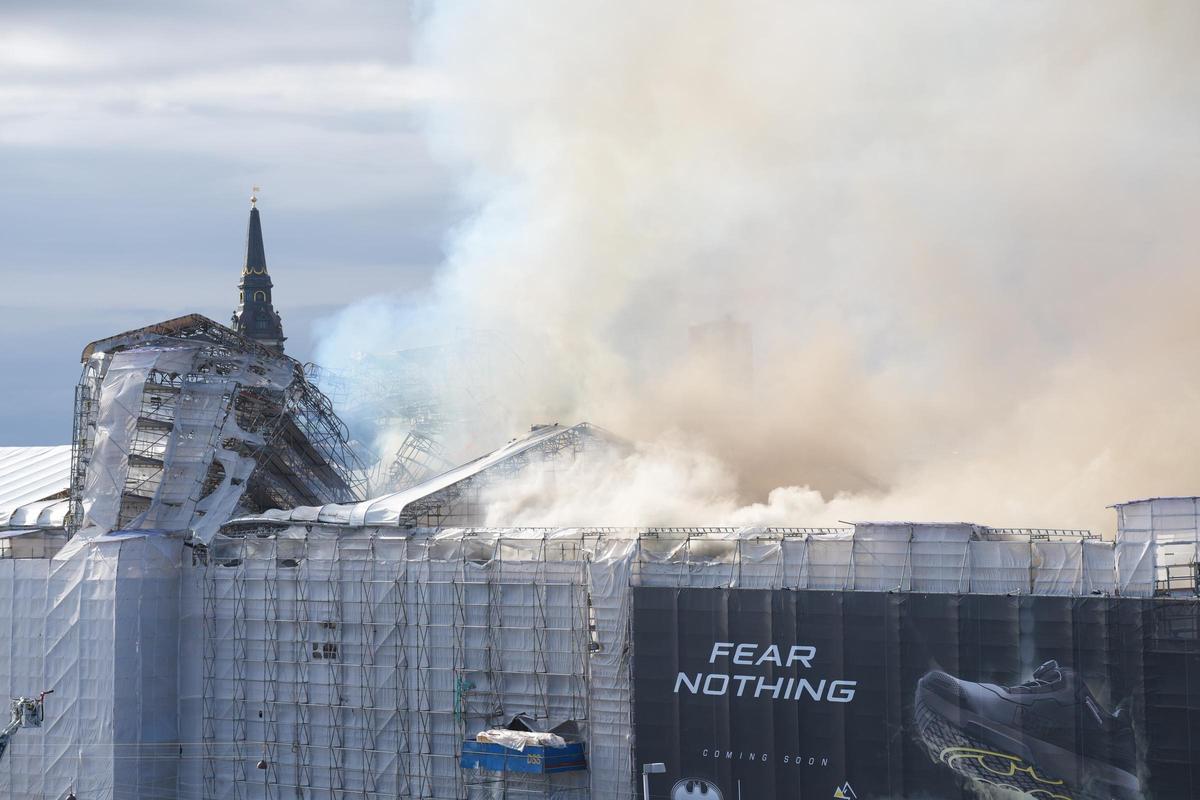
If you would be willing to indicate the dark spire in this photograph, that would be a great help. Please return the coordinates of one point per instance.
(256, 255)
(255, 316)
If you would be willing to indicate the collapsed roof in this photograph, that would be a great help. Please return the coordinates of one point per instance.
(182, 424)
(453, 497)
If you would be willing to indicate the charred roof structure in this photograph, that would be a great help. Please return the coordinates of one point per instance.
(181, 424)
(456, 497)
(449, 400)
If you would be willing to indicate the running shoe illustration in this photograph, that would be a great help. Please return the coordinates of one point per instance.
(1047, 737)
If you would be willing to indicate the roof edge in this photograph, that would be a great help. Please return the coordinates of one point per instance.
(173, 327)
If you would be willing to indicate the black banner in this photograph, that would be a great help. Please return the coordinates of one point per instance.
(789, 695)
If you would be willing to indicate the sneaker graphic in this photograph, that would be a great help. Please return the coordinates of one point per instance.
(1047, 737)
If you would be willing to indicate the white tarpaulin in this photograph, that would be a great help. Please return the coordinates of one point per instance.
(199, 435)
(28, 476)
(519, 740)
(100, 627)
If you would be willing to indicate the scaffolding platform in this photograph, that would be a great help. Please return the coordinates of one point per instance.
(533, 759)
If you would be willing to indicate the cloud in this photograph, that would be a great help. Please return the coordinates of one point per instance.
(130, 135)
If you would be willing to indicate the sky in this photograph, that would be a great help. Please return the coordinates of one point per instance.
(962, 235)
(130, 136)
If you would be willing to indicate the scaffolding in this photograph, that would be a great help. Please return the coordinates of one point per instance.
(1162, 544)
(423, 409)
(420, 457)
(356, 660)
(318, 660)
(460, 496)
(179, 424)
(34, 543)
(357, 666)
(464, 501)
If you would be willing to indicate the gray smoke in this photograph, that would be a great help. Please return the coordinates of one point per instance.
(963, 236)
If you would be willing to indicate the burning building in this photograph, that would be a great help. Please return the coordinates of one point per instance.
(221, 613)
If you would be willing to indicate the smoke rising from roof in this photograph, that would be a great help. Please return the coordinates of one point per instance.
(963, 237)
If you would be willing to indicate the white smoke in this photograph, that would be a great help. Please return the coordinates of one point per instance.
(963, 236)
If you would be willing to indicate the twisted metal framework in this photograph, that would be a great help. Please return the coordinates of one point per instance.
(463, 502)
(299, 445)
(441, 402)
(421, 456)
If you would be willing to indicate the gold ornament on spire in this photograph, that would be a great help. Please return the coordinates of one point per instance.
(254, 190)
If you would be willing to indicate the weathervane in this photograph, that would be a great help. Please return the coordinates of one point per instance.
(254, 190)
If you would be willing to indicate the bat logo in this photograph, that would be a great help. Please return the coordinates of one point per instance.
(696, 789)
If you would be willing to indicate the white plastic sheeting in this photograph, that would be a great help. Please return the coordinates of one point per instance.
(28, 476)
(519, 740)
(361, 663)
(610, 688)
(939, 555)
(202, 412)
(42, 514)
(203, 430)
(355, 660)
(1158, 544)
(1099, 568)
(116, 422)
(99, 626)
(358, 659)
(880, 557)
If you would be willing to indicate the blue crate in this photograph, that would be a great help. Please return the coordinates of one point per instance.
(536, 760)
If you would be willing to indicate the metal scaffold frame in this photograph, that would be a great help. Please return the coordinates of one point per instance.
(188, 409)
(356, 666)
(420, 410)
(464, 502)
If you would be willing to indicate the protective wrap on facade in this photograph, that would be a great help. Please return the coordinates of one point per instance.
(355, 661)
(99, 626)
(180, 425)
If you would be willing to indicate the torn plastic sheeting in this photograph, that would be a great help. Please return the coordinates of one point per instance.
(200, 409)
(212, 510)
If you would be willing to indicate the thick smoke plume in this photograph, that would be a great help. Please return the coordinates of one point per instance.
(963, 235)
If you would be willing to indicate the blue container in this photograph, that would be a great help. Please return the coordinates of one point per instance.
(536, 760)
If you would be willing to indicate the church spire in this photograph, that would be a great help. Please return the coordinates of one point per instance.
(255, 316)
